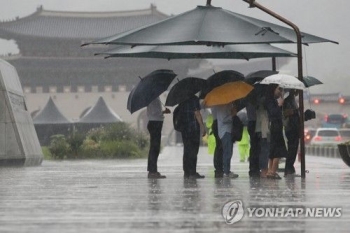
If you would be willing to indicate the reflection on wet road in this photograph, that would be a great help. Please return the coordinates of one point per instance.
(116, 196)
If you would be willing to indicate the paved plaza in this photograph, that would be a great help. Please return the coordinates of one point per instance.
(116, 196)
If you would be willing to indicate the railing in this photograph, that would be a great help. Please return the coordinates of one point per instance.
(323, 151)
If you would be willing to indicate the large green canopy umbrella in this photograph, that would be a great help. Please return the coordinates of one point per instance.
(208, 25)
(245, 52)
(214, 26)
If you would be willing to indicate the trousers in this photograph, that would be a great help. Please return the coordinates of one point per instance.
(155, 131)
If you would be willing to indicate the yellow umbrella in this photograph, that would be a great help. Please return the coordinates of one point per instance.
(227, 93)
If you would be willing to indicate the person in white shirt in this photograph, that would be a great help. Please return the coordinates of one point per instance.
(155, 116)
(224, 114)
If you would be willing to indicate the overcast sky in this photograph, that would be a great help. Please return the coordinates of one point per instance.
(325, 18)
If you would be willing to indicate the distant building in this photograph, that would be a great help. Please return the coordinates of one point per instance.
(52, 61)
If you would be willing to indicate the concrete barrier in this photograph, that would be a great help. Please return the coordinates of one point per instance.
(19, 144)
(323, 151)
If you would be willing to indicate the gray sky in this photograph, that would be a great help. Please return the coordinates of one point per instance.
(325, 18)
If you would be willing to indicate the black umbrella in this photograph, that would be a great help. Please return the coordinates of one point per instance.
(311, 81)
(259, 89)
(149, 88)
(184, 89)
(219, 79)
(259, 75)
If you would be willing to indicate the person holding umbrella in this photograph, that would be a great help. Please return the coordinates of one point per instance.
(193, 129)
(218, 163)
(224, 114)
(146, 94)
(273, 105)
(188, 120)
(291, 126)
(155, 116)
(244, 143)
(221, 100)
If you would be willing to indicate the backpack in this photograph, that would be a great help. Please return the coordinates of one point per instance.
(178, 120)
(237, 129)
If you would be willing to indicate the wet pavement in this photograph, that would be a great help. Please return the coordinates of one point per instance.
(116, 196)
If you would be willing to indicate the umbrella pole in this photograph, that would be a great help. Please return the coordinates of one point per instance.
(253, 3)
(274, 63)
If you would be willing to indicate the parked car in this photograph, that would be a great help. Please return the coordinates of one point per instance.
(334, 121)
(308, 135)
(345, 134)
(347, 123)
(326, 136)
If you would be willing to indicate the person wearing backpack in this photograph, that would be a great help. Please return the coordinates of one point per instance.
(155, 116)
(191, 131)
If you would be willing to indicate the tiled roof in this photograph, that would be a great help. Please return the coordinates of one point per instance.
(92, 70)
(81, 25)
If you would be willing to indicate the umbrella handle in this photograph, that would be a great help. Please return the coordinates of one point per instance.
(166, 110)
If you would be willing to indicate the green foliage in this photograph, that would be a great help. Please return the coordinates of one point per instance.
(119, 132)
(75, 142)
(46, 152)
(96, 134)
(121, 149)
(58, 147)
(142, 141)
(117, 140)
(90, 149)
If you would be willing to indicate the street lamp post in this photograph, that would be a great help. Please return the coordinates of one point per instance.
(253, 3)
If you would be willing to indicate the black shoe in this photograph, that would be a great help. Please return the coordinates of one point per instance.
(219, 174)
(274, 176)
(196, 176)
(291, 175)
(231, 175)
(155, 175)
(254, 174)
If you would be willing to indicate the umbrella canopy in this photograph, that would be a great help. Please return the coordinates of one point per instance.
(227, 93)
(184, 89)
(284, 81)
(149, 88)
(208, 25)
(311, 81)
(221, 78)
(259, 75)
(245, 52)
